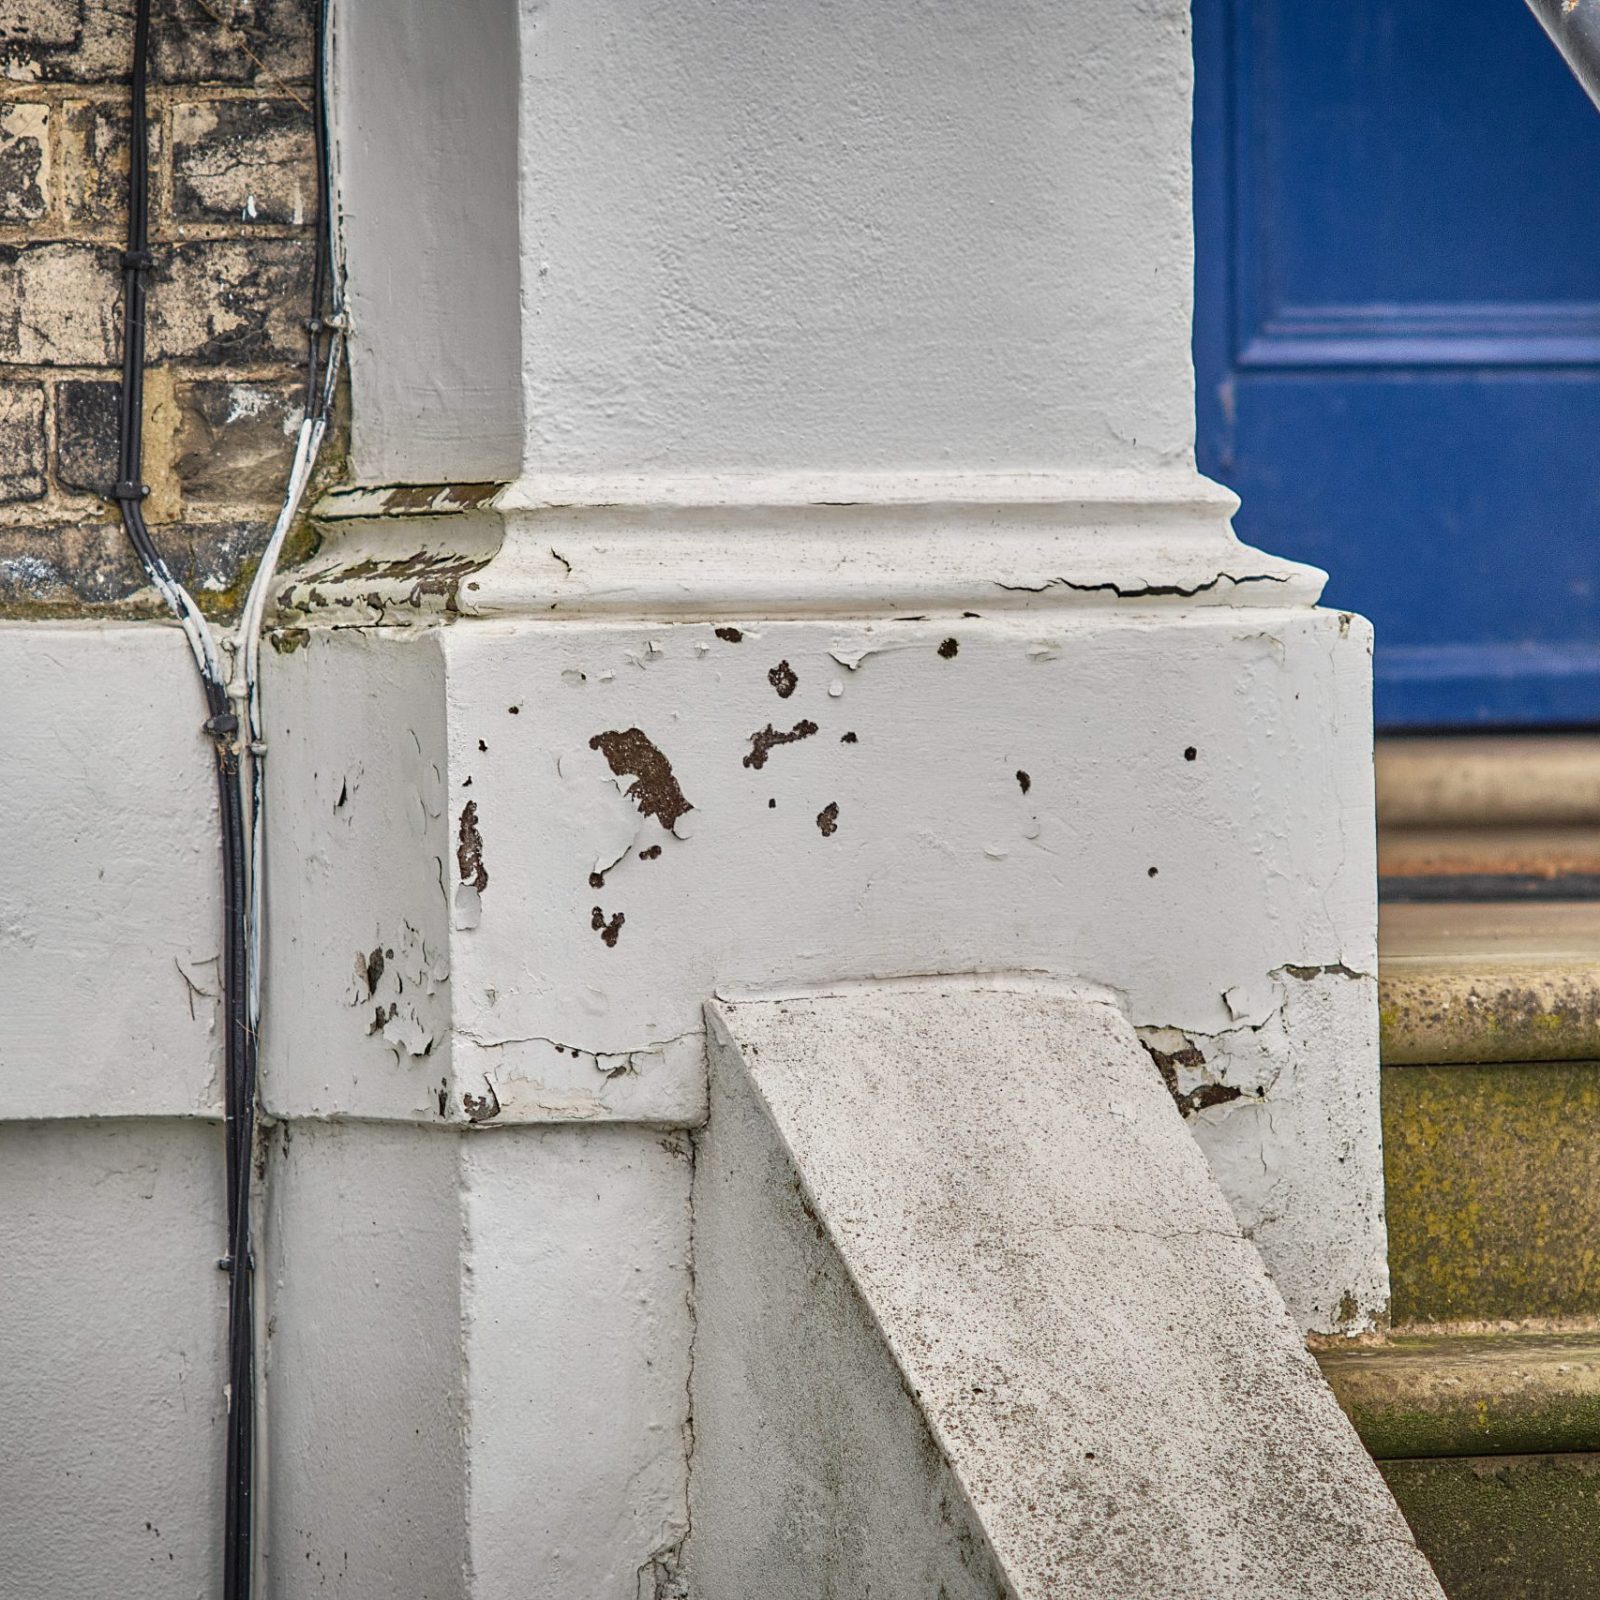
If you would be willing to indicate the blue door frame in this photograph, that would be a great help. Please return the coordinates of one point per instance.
(1397, 336)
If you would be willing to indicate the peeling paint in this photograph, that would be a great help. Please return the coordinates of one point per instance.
(469, 863)
(769, 738)
(654, 790)
(287, 640)
(934, 863)
(469, 849)
(1203, 1095)
(828, 819)
(392, 984)
(783, 679)
(481, 1107)
(383, 583)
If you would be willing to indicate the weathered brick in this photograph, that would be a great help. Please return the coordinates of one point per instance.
(56, 41)
(218, 443)
(33, 569)
(47, 24)
(234, 41)
(225, 301)
(192, 41)
(242, 161)
(94, 161)
(24, 161)
(66, 565)
(99, 561)
(86, 434)
(21, 441)
(209, 559)
(59, 304)
(235, 441)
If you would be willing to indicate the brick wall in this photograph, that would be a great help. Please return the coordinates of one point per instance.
(232, 201)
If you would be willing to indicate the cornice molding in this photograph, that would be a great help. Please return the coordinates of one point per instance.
(789, 546)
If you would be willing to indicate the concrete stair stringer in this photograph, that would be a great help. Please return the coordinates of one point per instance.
(973, 1319)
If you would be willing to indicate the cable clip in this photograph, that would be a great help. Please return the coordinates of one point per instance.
(222, 726)
(137, 260)
(128, 491)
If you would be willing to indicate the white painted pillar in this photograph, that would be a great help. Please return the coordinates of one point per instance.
(781, 561)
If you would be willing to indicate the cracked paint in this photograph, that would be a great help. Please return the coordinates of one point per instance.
(946, 861)
(1147, 591)
(1203, 1091)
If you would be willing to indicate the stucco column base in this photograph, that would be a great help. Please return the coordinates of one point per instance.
(511, 860)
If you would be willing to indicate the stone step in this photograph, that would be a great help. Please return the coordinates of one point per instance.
(1470, 1394)
(1505, 1527)
(1492, 1177)
(973, 1317)
(1489, 780)
(1495, 981)
(1491, 1445)
(1489, 863)
(1502, 816)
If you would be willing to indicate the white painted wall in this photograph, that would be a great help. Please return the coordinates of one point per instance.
(111, 1165)
(425, 113)
(577, 1338)
(856, 236)
(1252, 943)
(111, 1386)
(108, 877)
(366, 1490)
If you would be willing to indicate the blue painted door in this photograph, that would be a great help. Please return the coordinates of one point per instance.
(1397, 335)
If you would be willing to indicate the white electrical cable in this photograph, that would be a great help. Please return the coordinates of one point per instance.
(251, 768)
(251, 623)
(246, 697)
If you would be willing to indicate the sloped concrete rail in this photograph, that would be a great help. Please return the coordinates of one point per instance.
(974, 1319)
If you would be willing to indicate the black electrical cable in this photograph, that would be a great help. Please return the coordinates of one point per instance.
(222, 726)
(318, 329)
